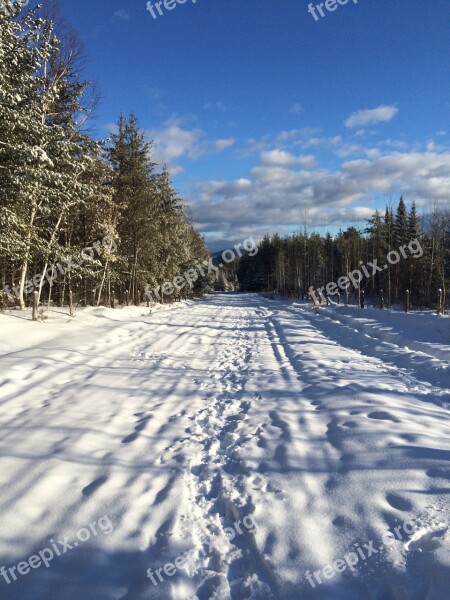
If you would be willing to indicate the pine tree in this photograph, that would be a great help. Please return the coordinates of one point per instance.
(22, 158)
(60, 192)
(44, 154)
(378, 243)
(135, 194)
(413, 223)
(401, 224)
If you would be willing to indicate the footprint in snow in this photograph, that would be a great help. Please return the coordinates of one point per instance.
(399, 503)
(340, 521)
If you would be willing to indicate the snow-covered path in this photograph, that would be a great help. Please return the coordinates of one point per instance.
(265, 440)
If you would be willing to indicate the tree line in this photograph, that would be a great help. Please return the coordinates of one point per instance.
(291, 265)
(80, 219)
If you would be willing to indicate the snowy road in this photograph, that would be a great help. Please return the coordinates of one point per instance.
(265, 440)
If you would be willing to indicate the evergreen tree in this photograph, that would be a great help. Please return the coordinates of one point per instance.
(135, 195)
(45, 157)
(413, 223)
(401, 224)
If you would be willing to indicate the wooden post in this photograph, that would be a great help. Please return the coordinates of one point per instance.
(35, 305)
(407, 302)
(71, 303)
(439, 307)
(381, 300)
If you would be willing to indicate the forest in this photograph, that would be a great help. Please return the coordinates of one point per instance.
(291, 265)
(82, 221)
(89, 222)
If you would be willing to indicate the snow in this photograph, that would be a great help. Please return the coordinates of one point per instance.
(259, 439)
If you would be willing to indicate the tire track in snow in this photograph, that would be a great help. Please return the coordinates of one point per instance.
(319, 370)
(430, 370)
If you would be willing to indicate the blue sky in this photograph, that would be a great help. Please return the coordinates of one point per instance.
(269, 119)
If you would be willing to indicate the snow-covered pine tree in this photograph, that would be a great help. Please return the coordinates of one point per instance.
(44, 154)
(135, 194)
(20, 159)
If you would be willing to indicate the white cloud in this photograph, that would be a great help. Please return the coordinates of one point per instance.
(296, 108)
(174, 141)
(347, 149)
(220, 106)
(121, 15)
(285, 159)
(112, 128)
(228, 189)
(382, 114)
(320, 142)
(280, 193)
(281, 141)
(220, 145)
